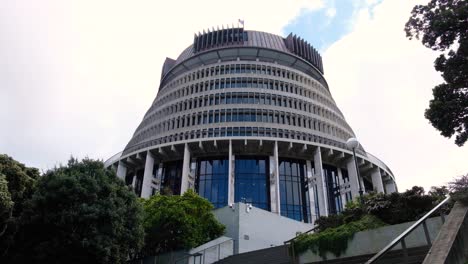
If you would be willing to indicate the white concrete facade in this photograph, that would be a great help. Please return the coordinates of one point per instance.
(267, 101)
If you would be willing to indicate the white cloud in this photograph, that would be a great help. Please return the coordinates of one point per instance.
(383, 82)
(331, 12)
(77, 77)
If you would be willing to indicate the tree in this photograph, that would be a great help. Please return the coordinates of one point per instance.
(396, 208)
(443, 25)
(16, 186)
(178, 222)
(6, 205)
(80, 213)
(459, 189)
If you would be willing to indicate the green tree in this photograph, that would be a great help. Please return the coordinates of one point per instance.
(178, 222)
(19, 181)
(459, 189)
(80, 213)
(6, 205)
(443, 25)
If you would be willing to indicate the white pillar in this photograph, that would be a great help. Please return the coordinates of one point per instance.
(275, 205)
(322, 193)
(185, 170)
(147, 176)
(134, 180)
(311, 184)
(377, 180)
(121, 170)
(353, 178)
(390, 186)
(231, 160)
(341, 184)
(362, 185)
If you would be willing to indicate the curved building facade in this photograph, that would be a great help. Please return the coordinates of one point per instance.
(247, 116)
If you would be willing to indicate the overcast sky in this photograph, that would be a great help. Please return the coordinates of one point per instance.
(77, 77)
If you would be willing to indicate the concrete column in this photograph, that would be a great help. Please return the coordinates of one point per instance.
(362, 184)
(342, 190)
(390, 186)
(185, 170)
(377, 180)
(275, 204)
(353, 178)
(322, 193)
(134, 180)
(159, 176)
(121, 170)
(147, 176)
(311, 184)
(231, 160)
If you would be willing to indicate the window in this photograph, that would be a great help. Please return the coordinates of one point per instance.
(332, 186)
(171, 177)
(252, 182)
(212, 180)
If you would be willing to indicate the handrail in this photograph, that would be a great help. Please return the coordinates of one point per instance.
(406, 232)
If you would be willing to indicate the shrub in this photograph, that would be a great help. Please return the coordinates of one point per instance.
(174, 222)
(396, 208)
(335, 240)
(459, 189)
(81, 213)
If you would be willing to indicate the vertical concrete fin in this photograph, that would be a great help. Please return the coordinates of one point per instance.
(148, 175)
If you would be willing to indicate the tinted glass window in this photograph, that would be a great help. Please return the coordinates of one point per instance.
(252, 182)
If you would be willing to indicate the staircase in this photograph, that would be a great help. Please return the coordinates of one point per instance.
(273, 255)
(279, 255)
(415, 256)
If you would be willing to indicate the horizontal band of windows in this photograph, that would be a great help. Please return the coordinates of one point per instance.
(246, 68)
(240, 115)
(234, 132)
(245, 98)
(245, 82)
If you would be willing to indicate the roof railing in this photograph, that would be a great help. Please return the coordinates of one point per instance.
(402, 236)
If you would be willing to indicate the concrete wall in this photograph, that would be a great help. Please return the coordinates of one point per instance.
(372, 241)
(212, 251)
(451, 245)
(254, 228)
(230, 218)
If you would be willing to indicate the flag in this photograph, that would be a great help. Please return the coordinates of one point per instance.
(241, 21)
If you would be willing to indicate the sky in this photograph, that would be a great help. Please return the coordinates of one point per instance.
(76, 77)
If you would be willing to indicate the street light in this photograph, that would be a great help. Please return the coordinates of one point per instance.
(353, 143)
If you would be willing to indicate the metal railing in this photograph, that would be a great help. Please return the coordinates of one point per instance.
(401, 238)
(199, 256)
(290, 243)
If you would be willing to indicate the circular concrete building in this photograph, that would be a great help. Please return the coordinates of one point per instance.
(247, 116)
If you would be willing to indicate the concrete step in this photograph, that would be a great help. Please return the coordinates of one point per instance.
(415, 256)
(275, 255)
(279, 255)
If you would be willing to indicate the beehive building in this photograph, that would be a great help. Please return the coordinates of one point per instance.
(247, 116)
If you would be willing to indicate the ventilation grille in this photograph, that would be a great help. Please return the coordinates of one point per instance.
(219, 37)
(304, 50)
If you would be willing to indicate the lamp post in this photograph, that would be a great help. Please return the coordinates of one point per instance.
(353, 143)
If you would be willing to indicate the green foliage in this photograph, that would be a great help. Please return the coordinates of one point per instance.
(20, 181)
(178, 222)
(335, 240)
(6, 205)
(80, 213)
(396, 208)
(350, 214)
(459, 189)
(333, 232)
(20, 186)
(441, 25)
